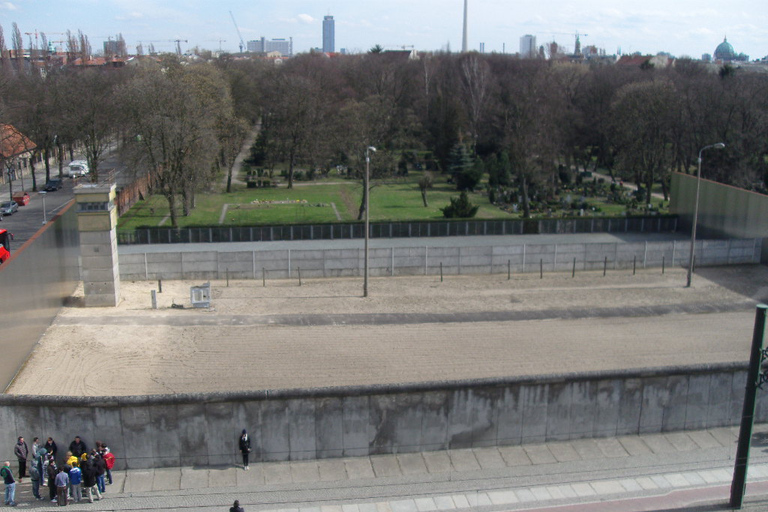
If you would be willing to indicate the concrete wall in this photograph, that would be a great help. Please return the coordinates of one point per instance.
(172, 430)
(724, 211)
(35, 282)
(281, 264)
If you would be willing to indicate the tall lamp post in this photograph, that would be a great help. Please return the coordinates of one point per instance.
(45, 214)
(718, 145)
(367, 212)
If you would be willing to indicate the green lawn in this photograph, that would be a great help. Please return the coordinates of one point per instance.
(326, 201)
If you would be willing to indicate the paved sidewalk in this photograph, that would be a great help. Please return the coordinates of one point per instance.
(682, 470)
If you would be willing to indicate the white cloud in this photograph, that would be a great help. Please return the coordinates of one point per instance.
(8, 6)
(306, 18)
(135, 15)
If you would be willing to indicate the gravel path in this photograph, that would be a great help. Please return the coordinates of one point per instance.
(416, 329)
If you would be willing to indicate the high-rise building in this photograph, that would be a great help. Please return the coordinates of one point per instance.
(329, 35)
(263, 45)
(528, 46)
(464, 47)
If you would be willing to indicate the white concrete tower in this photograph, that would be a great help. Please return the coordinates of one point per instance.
(464, 38)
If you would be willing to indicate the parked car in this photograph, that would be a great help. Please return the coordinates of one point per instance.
(8, 207)
(21, 198)
(53, 184)
(77, 168)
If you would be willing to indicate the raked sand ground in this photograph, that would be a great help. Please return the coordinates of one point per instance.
(255, 337)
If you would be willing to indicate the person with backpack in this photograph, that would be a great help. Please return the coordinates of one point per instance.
(89, 479)
(245, 448)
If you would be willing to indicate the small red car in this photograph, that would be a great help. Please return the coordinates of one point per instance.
(21, 198)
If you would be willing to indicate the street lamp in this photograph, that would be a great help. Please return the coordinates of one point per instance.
(718, 145)
(367, 212)
(45, 215)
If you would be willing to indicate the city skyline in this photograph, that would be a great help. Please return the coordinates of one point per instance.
(683, 28)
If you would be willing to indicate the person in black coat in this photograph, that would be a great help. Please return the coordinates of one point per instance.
(50, 447)
(89, 479)
(77, 447)
(245, 447)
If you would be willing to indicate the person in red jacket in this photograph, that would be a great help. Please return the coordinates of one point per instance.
(109, 459)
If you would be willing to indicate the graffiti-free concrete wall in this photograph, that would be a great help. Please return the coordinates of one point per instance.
(202, 429)
(454, 259)
(724, 211)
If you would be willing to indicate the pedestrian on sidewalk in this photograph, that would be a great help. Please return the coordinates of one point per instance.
(89, 479)
(100, 467)
(236, 507)
(77, 447)
(109, 460)
(21, 451)
(62, 487)
(10, 484)
(75, 482)
(50, 447)
(50, 472)
(245, 448)
(34, 476)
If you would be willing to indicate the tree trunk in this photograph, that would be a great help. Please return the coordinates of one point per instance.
(526, 199)
(361, 212)
(424, 197)
(172, 209)
(47, 157)
(32, 167)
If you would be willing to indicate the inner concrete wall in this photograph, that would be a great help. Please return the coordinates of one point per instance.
(454, 259)
(724, 211)
(202, 429)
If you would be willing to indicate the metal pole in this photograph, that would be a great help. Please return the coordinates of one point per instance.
(739, 482)
(605, 265)
(719, 145)
(367, 214)
(509, 270)
(573, 270)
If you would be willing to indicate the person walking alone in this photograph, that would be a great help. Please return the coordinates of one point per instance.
(245, 448)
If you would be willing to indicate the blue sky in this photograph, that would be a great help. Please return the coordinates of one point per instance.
(681, 27)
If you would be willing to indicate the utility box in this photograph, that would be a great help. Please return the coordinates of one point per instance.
(200, 296)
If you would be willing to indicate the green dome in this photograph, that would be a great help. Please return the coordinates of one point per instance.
(725, 51)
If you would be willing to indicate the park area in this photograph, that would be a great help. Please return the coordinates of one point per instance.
(337, 198)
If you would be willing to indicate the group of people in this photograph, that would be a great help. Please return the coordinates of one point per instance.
(80, 473)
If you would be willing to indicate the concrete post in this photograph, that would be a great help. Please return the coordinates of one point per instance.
(97, 220)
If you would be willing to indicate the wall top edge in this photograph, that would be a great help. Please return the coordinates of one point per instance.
(357, 391)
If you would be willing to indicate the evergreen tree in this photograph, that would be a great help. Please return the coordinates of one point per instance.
(460, 208)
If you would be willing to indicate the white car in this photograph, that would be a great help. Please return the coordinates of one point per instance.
(77, 168)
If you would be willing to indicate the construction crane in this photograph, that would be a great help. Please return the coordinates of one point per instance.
(242, 43)
(178, 45)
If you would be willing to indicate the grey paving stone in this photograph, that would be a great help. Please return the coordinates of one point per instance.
(253, 476)
(383, 506)
(167, 479)
(460, 500)
(566, 491)
(587, 449)
(611, 447)
(563, 452)
(403, 506)
(489, 458)
(118, 480)
(631, 485)
(662, 482)
(503, 497)
(681, 441)
(677, 480)
(646, 483)
(139, 480)
(464, 460)
(757, 471)
(310, 509)
(425, 504)
(444, 503)
(330, 508)
(332, 470)
(693, 478)
(193, 478)
(367, 507)
(359, 468)
(541, 493)
(659, 444)
(725, 436)
(478, 499)
(350, 507)
(583, 490)
(525, 495)
(606, 487)
(277, 473)
(515, 456)
(539, 454)
(704, 439)
(634, 445)
(303, 472)
(385, 466)
(437, 462)
(223, 478)
(412, 464)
